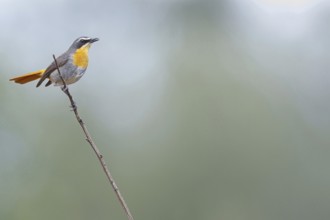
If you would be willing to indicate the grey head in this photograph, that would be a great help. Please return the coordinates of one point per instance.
(81, 41)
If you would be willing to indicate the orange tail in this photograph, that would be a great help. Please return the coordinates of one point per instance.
(28, 77)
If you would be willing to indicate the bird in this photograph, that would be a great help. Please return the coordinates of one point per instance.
(72, 65)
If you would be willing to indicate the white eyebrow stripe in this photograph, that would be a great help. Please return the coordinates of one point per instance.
(84, 38)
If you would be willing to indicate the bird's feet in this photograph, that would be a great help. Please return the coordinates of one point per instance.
(65, 89)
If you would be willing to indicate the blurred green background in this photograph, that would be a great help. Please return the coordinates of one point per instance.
(202, 110)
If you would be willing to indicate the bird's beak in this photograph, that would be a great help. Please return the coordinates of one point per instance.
(93, 40)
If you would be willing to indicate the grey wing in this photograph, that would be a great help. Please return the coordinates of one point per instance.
(61, 60)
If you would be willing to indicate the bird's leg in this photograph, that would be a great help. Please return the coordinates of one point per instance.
(65, 89)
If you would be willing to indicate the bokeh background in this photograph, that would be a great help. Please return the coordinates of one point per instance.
(202, 109)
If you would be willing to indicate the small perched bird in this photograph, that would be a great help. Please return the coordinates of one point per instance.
(72, 64)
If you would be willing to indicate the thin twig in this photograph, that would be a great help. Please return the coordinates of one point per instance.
(89, 139)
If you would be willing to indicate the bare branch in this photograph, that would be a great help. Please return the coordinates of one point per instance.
(89, 139)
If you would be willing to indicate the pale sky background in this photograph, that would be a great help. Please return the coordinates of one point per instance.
(204, 110)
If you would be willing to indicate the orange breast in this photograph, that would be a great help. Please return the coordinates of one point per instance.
(80, 58)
